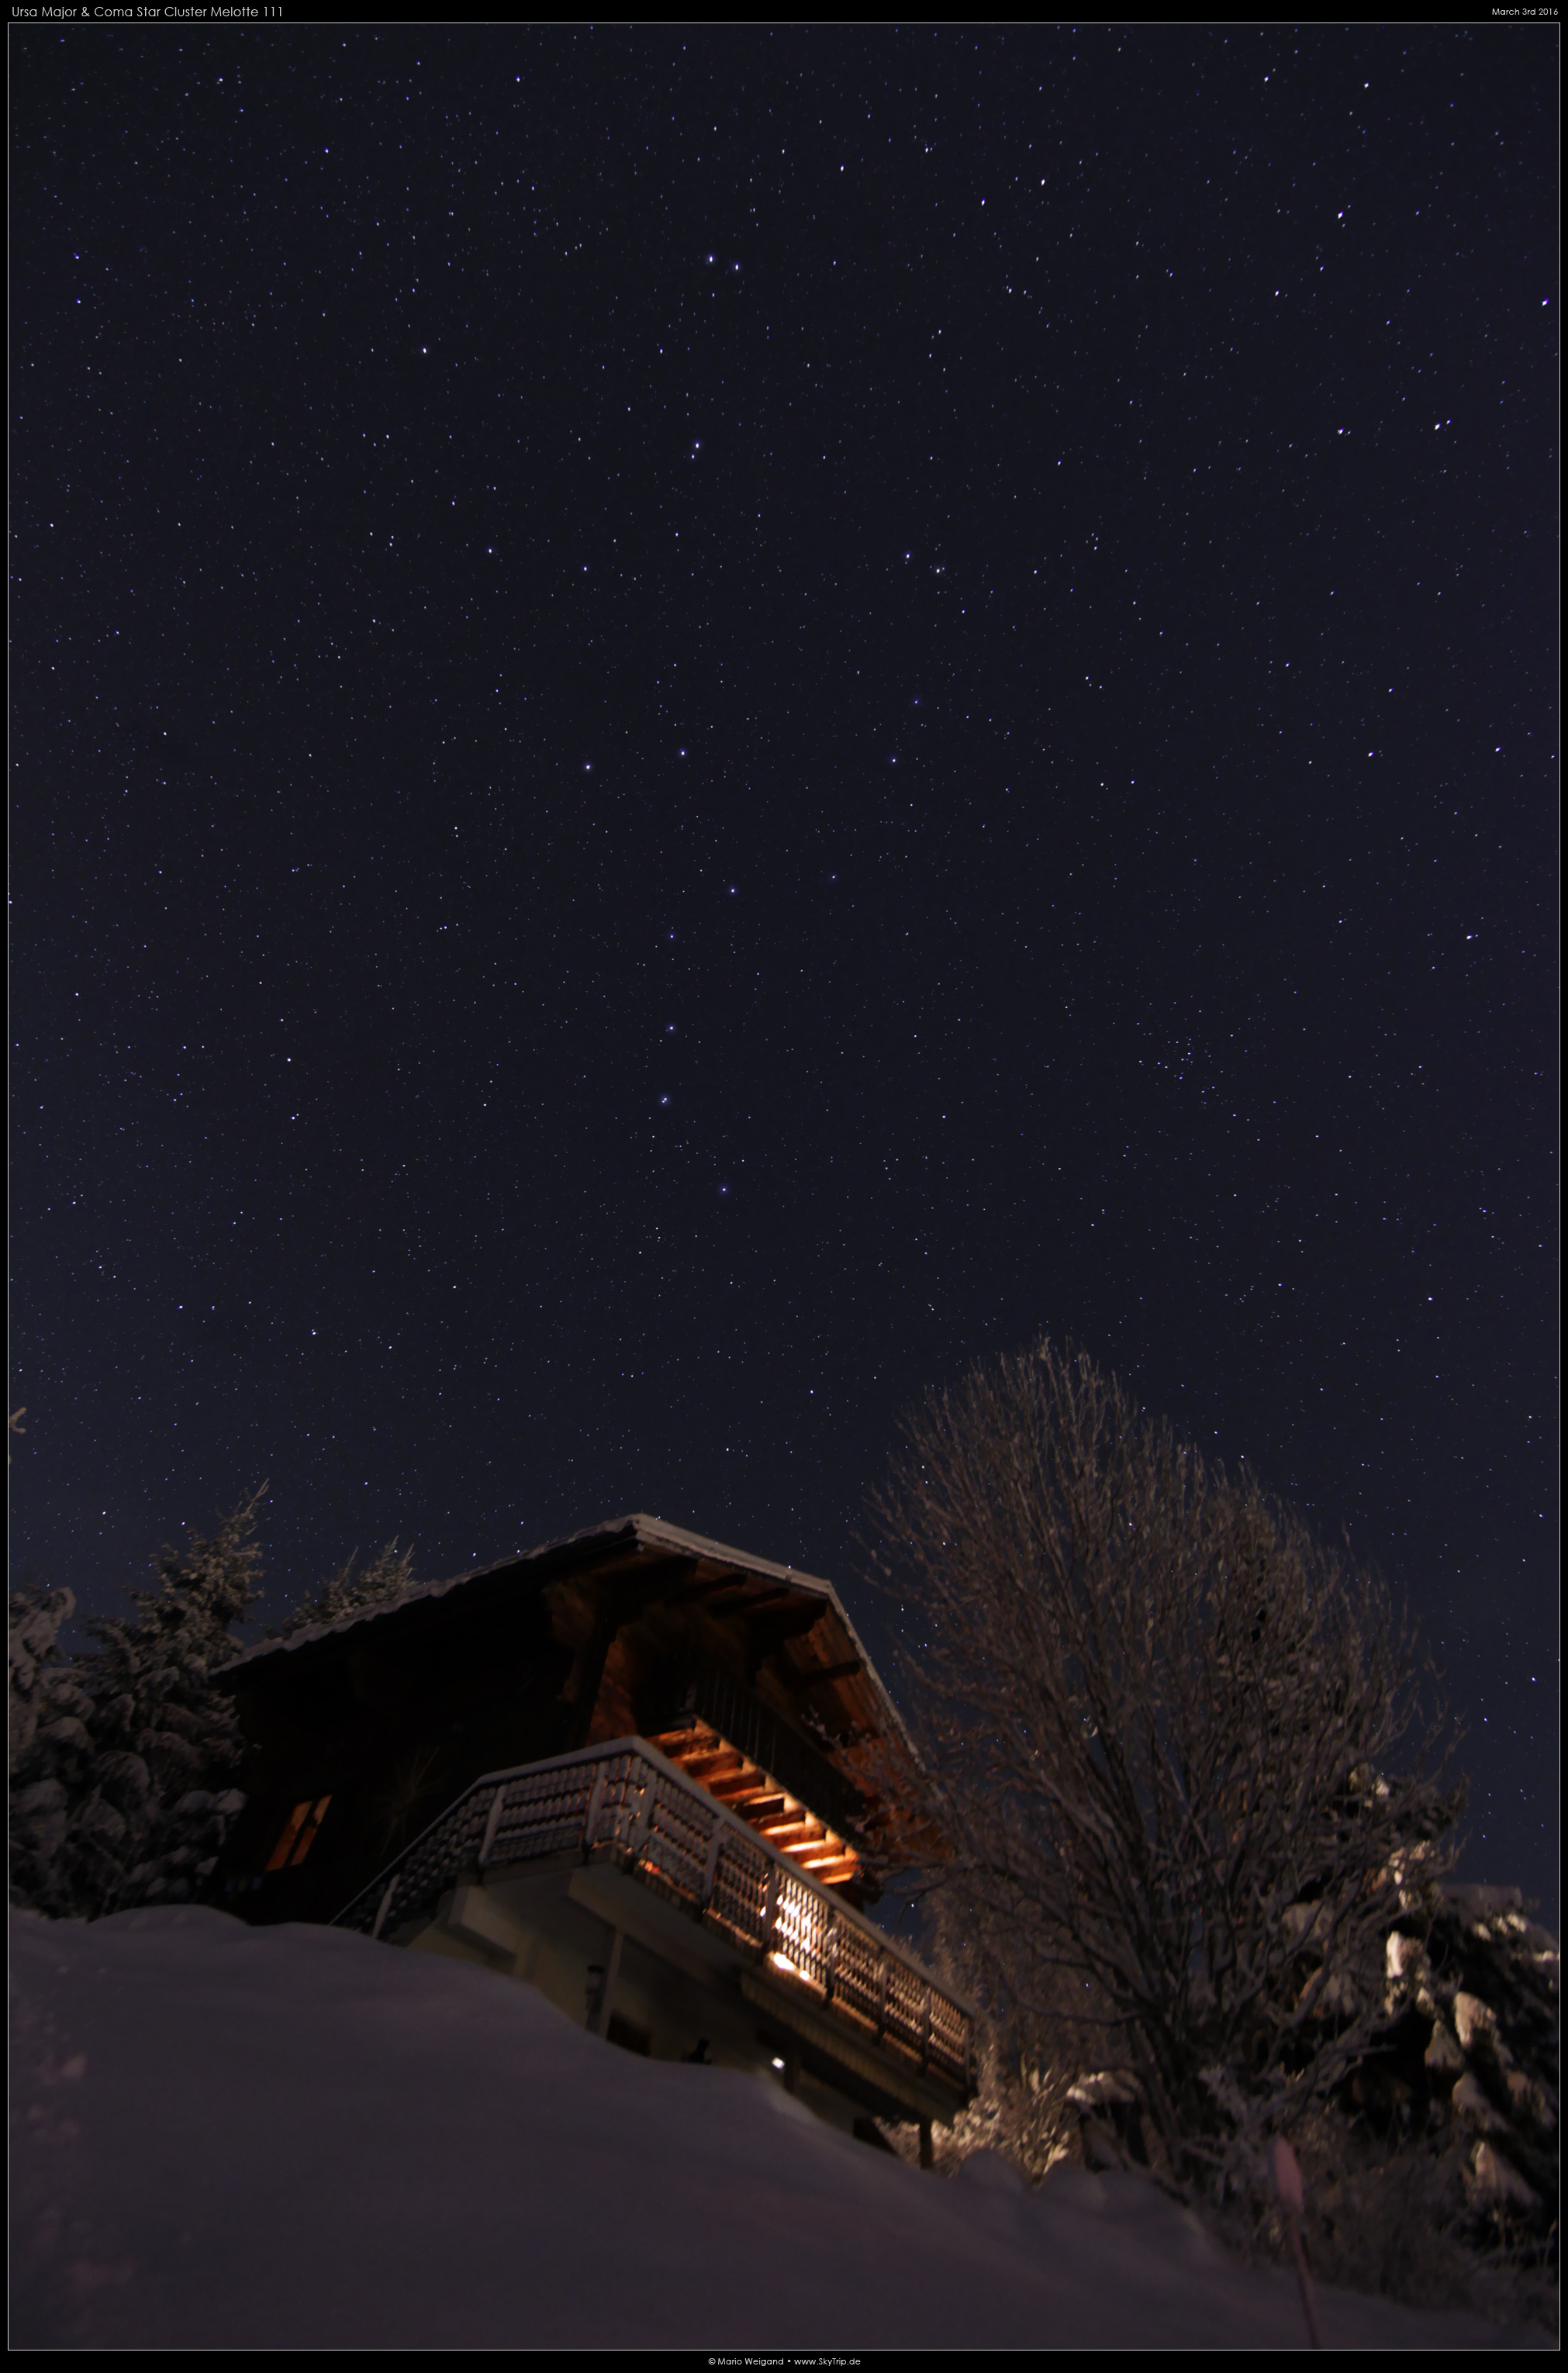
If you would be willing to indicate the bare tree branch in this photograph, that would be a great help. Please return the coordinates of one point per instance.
(1159, 1719)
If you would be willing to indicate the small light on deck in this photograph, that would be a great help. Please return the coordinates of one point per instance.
(779, 2063)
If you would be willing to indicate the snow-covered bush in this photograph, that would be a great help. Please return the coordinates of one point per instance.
(1028, 2061)
(1431, 2173)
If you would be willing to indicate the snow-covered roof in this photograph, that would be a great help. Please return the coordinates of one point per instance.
(639, 1531)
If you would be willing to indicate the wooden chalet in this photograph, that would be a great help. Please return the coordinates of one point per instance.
(649, 1774)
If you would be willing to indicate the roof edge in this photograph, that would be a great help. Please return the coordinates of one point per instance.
(643, 1529)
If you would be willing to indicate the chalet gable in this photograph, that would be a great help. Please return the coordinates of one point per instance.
(747, 1674)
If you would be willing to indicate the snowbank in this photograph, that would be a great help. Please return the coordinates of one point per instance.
(230, 2137)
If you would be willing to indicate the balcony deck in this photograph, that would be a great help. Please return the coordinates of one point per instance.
(830, 1972)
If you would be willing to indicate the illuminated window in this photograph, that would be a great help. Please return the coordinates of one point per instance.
(299, 1833)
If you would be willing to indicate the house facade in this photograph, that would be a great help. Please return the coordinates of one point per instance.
(647, 1773)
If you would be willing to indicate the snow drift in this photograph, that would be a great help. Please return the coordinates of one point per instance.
(230, 2137)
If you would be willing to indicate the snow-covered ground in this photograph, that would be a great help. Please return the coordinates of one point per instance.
(230, 2137)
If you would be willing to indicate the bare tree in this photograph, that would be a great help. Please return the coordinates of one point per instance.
(1178, 1750)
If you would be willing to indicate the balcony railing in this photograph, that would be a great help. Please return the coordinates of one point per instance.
(623, 1803)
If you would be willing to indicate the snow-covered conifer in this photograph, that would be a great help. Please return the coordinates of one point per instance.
(389, 1576)
(151, 1823)
(50, 1749)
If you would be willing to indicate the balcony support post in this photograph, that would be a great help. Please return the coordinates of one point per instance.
(599, 2017)
(491, 1824)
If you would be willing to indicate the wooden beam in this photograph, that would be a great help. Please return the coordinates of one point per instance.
(801, 1682)
(716, 1755)
(748, 1792)
(772, 1597)
(781, 1623)
(710, 1773)
(708, 1589)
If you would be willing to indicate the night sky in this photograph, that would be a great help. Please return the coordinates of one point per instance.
(705, 722)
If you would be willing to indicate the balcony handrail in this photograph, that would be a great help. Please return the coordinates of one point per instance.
(624, 1802)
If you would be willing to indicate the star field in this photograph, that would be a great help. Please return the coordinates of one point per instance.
(705, 722)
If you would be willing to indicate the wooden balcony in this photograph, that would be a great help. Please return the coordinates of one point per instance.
(799, 1951)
